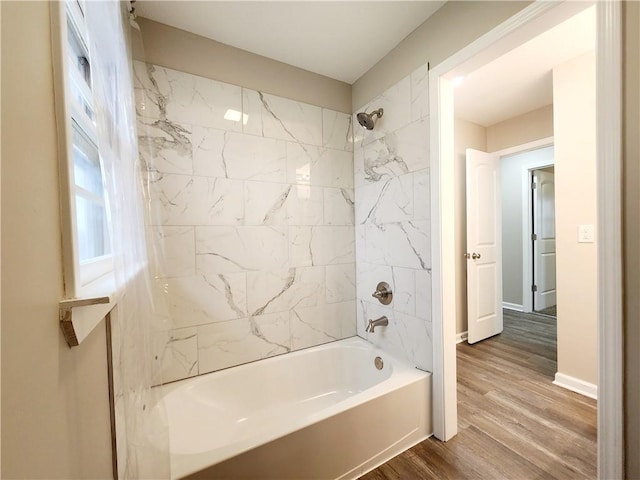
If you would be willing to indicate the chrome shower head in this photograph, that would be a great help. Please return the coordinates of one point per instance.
(367, 120)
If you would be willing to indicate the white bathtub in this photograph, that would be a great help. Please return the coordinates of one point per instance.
(324, 412)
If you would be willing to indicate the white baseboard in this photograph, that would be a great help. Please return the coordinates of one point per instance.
(576, 385)
(512, 306)
(461, 337)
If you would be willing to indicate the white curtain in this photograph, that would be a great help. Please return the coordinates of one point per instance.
(142, 433)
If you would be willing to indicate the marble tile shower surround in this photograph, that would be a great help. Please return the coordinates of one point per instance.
(392, 212)
(253, 203)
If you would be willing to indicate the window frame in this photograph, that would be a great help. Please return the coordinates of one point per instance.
(89, 285)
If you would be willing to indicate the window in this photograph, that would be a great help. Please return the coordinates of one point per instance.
(91, 218)
(87, 245)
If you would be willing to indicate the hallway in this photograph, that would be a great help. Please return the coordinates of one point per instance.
(513, 423)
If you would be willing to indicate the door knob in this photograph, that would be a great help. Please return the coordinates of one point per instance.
(475, 256)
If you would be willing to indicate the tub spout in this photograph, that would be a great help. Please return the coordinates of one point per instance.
(378, 322)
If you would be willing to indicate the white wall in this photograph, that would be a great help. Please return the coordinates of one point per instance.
(282, 182)
(575, 180)
(254, 221)
(392, 220)
(511, 170)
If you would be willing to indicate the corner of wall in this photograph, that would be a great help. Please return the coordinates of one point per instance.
(392, 185)
(521, 129)
(452, 27)
(190, 53)
(574, 98)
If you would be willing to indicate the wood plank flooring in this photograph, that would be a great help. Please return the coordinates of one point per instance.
(513, 423)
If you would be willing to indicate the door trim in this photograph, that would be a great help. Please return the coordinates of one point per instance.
(609, 246)
(522, 27)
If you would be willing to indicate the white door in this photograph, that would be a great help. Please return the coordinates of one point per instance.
(544, 241)
(484, 245)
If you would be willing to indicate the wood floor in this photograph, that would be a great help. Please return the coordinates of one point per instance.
(513, 423)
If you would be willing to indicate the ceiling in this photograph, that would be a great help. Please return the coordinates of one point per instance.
(341, 40)
(521, 81)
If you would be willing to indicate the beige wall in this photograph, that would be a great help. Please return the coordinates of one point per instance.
(173, 48)
(575, 169)
(466, 135)
(452, 27)
(631, 235)
(55, 412)
(522, 129)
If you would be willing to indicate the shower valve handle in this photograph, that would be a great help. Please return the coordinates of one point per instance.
(383, 293)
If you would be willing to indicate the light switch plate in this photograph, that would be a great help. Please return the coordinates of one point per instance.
(585, 233)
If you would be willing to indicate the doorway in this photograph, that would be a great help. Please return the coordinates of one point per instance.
(568, 119)
(524, 254)
(527, 183)
(609, 281)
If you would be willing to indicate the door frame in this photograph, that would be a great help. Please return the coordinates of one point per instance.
(527, 228)
(534, 19)
(528, 240)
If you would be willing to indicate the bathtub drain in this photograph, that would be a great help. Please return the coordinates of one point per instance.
(378, 363)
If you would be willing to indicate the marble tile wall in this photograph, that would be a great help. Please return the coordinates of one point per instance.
(253, 204)
(392, 211)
